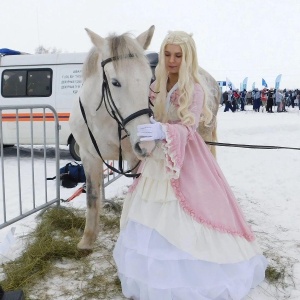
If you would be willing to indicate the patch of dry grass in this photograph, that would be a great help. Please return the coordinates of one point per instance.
(54, 242)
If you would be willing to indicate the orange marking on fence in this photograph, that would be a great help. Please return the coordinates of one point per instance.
(38, 117)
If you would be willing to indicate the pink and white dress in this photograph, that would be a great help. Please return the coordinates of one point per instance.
(183, 235)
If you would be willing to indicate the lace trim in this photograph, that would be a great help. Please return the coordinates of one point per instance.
(174, 158)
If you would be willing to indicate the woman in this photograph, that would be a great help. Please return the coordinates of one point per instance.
(249, 98)
(264, 98)
(279, 98)
(183, 235)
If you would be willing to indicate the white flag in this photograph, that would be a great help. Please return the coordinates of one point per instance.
(245, 83)
(277, 81)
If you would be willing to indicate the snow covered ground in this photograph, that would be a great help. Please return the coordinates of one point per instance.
(265, 182)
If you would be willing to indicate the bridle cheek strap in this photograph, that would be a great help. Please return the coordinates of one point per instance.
(120, 171)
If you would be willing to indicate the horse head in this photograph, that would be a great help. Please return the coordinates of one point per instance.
(126, 76)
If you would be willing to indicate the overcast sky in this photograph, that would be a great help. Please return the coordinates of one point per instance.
(235, 38)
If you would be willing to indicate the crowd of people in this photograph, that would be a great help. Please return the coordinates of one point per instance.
(262, 100)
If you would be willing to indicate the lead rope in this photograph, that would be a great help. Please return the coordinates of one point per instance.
(249, 146)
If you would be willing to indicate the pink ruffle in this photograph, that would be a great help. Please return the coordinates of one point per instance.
(186, 207)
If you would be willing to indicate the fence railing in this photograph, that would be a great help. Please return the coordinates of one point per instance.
(30, 192)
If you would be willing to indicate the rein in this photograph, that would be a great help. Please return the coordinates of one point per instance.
(249, 146)
(114, 113)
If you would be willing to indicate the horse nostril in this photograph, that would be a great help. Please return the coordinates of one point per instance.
(137, 147)
(139, 150)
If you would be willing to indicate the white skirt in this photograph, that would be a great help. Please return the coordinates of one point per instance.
(151, 268)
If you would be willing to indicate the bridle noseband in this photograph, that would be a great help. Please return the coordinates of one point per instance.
(113, 111)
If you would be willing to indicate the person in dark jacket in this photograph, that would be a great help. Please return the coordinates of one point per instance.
(298, 98)
(225, 97)
(243, 97)
(228, 104)
(270, 100)
(256, 100)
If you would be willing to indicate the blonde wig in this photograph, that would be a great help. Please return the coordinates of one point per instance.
(188, 76)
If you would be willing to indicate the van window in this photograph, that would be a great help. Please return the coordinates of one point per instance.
(14, 83)
(27, 83)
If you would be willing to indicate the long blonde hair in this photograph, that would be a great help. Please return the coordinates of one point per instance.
(188, 76)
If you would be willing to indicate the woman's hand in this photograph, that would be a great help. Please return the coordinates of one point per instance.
(151, 132)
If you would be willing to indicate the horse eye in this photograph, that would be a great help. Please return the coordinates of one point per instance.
(115, 82)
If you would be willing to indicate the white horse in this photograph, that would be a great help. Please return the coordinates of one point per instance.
(114, 98)
(116, 69)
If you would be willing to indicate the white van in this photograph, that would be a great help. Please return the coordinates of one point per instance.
(40, 79)
(43, 79)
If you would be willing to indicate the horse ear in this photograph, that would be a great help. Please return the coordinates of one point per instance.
(96, 39)
(145, 38)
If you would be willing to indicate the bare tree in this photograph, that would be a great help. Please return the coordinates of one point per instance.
(42, 50)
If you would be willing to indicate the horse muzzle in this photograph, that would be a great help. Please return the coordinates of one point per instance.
(144, 149)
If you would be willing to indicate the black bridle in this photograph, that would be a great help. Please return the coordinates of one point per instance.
(114, 113)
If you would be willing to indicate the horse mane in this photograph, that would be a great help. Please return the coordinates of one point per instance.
(119, 46)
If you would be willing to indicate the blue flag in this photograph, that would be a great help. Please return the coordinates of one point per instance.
(263, 83)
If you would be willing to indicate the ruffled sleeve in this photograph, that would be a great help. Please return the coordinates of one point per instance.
(177, 135)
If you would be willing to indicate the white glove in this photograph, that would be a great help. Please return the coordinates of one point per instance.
(150, 132)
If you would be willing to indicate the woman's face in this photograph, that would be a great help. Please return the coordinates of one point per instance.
(173, 58)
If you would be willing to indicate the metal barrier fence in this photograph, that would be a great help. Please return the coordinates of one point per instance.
(31, 191)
